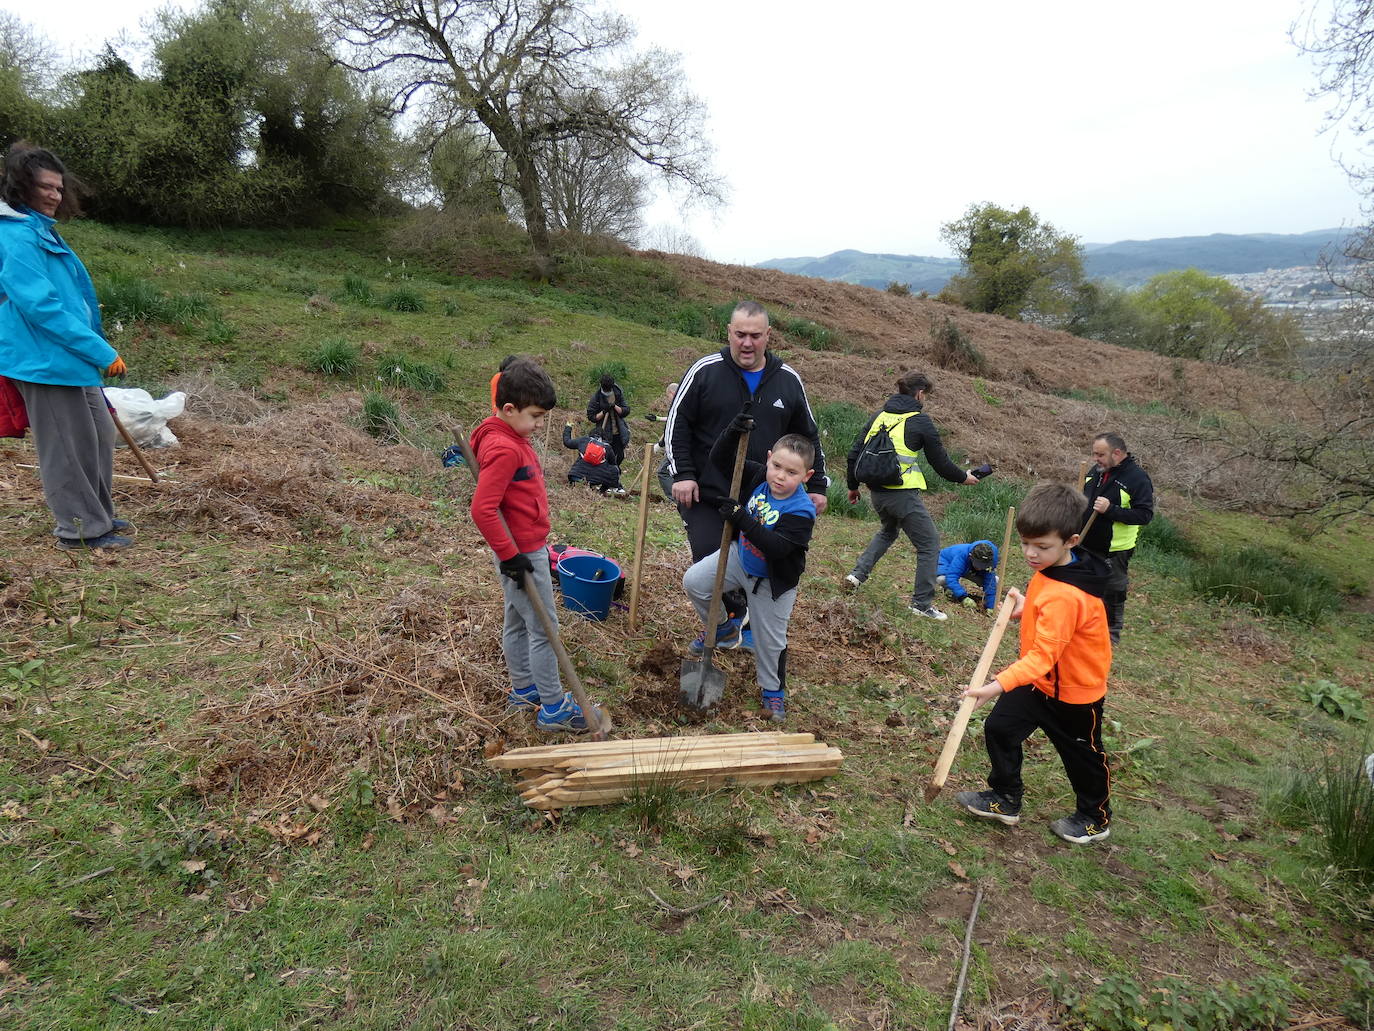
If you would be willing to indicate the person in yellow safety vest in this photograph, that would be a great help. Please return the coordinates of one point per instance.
(899, 505)
(1122, 495)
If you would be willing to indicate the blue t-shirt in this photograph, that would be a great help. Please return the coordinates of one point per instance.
(767, 509)
(752, 380)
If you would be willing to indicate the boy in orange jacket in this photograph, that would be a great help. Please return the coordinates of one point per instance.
(1060, 680)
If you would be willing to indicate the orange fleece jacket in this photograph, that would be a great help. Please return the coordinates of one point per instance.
(1066, 650)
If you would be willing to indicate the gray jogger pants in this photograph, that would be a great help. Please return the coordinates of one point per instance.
(903, 510)
(768, 616)
(74, 438)
(529, 652)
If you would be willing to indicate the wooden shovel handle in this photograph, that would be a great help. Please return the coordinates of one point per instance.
(726, 533)
(639, 534)
(590, 712)
(130, 441)
(966, 707)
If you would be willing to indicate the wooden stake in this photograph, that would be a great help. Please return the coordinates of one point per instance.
(966, 707)
(639, 536)
(1002, 558)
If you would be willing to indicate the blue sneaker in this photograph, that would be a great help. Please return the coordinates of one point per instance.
(522, 698)
(109, 541)
(746, 639)
(728, 635)
(773, 705)
(564, 718)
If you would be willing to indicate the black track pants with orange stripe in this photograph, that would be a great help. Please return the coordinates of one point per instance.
(1074, 730)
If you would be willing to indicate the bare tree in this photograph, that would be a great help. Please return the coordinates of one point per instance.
(533, 74)
(591, 192)
(28, 53)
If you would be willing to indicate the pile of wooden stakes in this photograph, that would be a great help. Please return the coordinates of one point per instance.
(602, 772)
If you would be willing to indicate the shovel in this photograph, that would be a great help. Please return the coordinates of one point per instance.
(702, 685)
(596, 719)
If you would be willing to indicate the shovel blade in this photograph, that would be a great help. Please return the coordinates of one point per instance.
(701, 684)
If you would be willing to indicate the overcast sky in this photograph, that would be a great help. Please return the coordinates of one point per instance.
(867, 124)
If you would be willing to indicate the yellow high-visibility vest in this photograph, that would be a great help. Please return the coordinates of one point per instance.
(895, 424)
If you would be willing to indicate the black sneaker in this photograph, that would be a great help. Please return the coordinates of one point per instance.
(991, 806)
(1080, 829)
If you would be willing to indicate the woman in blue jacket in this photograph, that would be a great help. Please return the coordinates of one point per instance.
(52, 348)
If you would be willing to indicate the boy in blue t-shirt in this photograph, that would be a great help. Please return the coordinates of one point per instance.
(775, 517)
(976, 562)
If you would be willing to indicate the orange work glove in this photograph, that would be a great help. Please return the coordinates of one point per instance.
(117, 367)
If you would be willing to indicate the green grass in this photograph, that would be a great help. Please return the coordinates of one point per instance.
(839, 906)
(1272, 584)
(336, 357)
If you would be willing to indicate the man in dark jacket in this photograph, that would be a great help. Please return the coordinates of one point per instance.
(607, 409)
(711, 394)
(1121, 494)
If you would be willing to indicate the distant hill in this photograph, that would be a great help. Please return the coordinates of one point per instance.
(876, 270)
(1129, 262)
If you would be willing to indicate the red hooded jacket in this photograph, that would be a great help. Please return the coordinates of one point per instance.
(509, 482)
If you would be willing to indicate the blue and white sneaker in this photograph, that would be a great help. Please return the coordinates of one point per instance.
(728, 635)
(774, 706)
(522, 698)
(746, 639)
(564, 718)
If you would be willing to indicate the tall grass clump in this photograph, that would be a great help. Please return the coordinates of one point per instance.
(813, 334)
(617, 370)
(838, 497)
(358, 290)
(335, 357)
(402, 299)
(980, 513)
(840, 424)
(1267, 582)
(381, 418)
(131, 299)
(1163, 548)
(1334, 793)
(952, 349)
(398, 370)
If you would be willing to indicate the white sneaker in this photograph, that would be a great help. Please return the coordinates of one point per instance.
(852, 582)
(930, 612)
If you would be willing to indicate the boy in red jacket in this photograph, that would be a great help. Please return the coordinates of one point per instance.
(511, 484)
(1059, 682)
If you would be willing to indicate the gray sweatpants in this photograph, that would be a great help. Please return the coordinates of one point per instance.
(768, 616)
(529, 652)
(905, 511)
(74, 438)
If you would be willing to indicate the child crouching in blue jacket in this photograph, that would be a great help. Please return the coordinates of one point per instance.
(976, 562)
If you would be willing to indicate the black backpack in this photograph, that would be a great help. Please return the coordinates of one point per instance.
(877, 464)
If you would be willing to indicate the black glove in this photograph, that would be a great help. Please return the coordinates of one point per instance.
(982, 472)
(730, 509)
(516, 567)
(742, 423)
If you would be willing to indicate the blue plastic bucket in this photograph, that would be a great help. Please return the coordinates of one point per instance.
(588, 583)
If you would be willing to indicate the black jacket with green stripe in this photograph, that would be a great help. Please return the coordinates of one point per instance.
(1130, 503)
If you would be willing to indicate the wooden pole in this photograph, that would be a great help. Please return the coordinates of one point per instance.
(639, 535)
(966, 707)
(1002, 558)
(1082, 476)
(130, 441)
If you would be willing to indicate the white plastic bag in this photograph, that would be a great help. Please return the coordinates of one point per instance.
(145, 417)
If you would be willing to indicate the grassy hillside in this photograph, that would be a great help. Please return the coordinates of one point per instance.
(243, 781)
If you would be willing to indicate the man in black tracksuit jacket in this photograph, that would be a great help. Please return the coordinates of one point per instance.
(712, 392)
(1124, 498)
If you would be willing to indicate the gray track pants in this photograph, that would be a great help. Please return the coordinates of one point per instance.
(768, 616)
(74, 438)
(905, 511)
(529, 652)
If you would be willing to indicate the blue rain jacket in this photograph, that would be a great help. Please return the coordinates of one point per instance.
(49, 316)
(954, 566)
